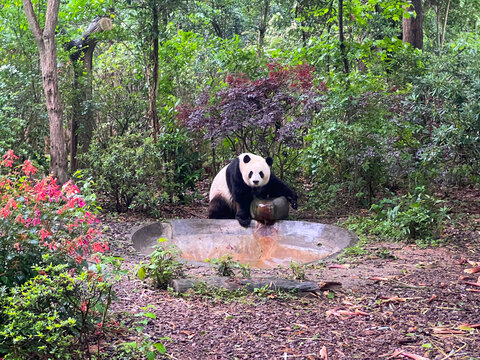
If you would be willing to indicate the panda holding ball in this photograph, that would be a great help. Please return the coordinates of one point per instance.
(236, 185)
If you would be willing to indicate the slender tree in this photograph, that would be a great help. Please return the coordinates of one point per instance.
(47, 48)
(152, 71)
(262, 27)
(444, 28)
(341, 35)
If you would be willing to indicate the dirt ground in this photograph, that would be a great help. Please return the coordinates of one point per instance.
(397, 301)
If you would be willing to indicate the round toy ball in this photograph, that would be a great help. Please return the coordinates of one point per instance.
(269, 210)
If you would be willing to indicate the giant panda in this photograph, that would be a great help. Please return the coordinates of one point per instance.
(235, 186)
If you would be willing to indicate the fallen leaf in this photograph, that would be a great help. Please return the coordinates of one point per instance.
(389, 356)
(465, 328)
(360, 312)
(413, 356)
(346, 313)
(473, 290)
(398, 352)
(474, 270)
(377, 278)
(432, 298)
(339, 266)
(323, 353)
(473, 284)
(329, 285)
(473, 326)
(446, 331)
(393, 298)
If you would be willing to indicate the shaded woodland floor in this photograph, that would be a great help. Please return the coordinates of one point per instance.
(397, 301)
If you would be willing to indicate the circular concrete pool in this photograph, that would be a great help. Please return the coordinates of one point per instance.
(259, 245)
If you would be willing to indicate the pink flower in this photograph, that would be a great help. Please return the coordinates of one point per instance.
(44, 233)
(17, 246)
(8, 158)
(5, 212)
(97, 247)
(28, 168)
(70, 188)
(11, 204)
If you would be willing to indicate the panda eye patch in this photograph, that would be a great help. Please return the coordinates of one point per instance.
(261, 174)
(250, 174)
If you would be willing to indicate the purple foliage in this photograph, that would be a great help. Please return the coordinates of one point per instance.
(255, 115)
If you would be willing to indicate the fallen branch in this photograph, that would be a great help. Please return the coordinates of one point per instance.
(182, 285)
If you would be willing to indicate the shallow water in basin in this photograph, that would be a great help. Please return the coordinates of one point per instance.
(259, 245)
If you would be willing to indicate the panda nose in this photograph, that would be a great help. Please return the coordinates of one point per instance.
(255, 182)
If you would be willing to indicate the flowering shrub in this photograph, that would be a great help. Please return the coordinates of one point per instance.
(39, 217)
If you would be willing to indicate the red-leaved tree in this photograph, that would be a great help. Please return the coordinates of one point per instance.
(268, 116)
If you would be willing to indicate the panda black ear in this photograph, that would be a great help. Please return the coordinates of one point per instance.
(246, 159)
(269, 161)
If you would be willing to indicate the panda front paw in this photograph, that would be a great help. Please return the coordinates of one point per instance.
(244, 220)
(293, 201)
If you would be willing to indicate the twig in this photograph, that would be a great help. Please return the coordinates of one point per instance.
(453, 353)
(402, 284)
(439, 349)
(286, 356)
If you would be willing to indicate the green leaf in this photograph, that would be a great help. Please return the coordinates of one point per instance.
(160, 348)
(142, 273)
(150, 315)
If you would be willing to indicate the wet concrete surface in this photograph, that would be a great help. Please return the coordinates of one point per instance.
(260, 246)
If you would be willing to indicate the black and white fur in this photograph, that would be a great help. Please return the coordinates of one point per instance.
(235, 186)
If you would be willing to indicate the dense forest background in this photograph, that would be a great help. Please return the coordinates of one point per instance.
(368, 107)
(156, 95)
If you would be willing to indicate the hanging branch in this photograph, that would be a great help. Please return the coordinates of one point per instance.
(81, 56)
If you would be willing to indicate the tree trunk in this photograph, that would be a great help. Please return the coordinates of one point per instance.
(341, 36)
(413, 26)
(262, 27)
(47, 49)
(153, 78)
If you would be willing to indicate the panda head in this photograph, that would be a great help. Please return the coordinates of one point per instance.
(255, 169)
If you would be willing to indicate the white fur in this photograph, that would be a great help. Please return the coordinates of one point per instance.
(256, 164)
(220, 188)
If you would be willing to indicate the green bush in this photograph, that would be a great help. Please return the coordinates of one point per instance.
(414, 217)
(358, 147)
(54, 314)
(163, 266)
(446, 103)
(224, 265)
(132, 170)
